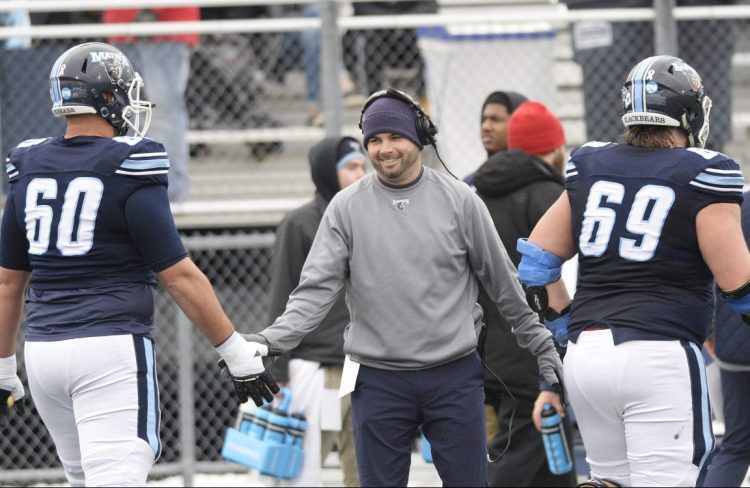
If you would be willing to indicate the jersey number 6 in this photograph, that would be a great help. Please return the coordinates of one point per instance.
(646, 218)
(75, 226)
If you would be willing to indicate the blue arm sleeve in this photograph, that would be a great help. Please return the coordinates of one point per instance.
(537, 267)
(152, 227)
(14, 248)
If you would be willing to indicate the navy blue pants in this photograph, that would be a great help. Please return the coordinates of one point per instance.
(730, 463)
(448, 401)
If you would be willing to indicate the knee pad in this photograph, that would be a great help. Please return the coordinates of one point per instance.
(597, 483)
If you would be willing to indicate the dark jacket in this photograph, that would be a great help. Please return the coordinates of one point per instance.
(517, 189)
(294, 238)
(732, 335)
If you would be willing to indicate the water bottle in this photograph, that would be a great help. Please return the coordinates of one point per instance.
(297, 429)
(244, 422)
(278, 422)
(555, 443)
(260, 422)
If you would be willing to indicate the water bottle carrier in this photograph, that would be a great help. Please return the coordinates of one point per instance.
(275, 450)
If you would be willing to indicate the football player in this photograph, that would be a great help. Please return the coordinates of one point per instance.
(86, 231)
(654, 221)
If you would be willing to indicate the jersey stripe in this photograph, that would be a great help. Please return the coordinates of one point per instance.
(736, 190)
(142, 173)
(737, 181)
(148, 155)
(147, 164)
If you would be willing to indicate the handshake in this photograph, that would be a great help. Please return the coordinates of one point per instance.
(242, 360)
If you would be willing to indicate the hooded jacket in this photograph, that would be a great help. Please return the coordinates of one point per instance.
(294, 238)
(518, 189)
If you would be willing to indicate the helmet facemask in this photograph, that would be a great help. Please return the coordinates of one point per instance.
(697, 127)
(136, 114)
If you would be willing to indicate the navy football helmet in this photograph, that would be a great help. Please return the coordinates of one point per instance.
(665, 90)
(83, 74)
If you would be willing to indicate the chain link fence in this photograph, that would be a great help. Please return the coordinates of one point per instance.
(263, 86)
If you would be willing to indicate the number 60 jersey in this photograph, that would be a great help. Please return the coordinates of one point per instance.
(90, 218)
(641, 272)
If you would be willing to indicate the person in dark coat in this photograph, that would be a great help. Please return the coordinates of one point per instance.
(496, 111)
(518, 185)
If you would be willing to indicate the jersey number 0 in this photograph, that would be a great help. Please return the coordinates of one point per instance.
(75, 226)
(646, 218)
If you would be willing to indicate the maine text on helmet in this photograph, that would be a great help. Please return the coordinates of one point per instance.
(101, 56)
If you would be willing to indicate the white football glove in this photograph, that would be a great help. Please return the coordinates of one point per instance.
(244, 362)
(10, 387)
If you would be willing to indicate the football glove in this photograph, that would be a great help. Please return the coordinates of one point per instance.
(557, 323)
(11, 388)
(242, 361)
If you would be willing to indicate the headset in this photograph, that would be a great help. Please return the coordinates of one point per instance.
(426, 129)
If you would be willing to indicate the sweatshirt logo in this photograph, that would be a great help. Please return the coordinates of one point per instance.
(401, 204)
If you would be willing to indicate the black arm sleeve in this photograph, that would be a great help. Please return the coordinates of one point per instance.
(152, 227)
(14, 247)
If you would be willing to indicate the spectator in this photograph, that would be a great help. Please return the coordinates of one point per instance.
(409, 245)
(518, 185)
(233, 98)
(496, 110)
(16, 18)
(391, 48)
(651, 220)
(102, 233)
(316, 363)
(605, 50)
(730, 347)
(165, 62)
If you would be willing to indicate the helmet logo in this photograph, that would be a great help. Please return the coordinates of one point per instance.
(102, 56)
(692, 76)
(66, 94)
(627, 100)
(652, 87)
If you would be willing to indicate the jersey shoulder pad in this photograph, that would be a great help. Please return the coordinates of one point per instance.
(14, 163)
(581, 157)
(716, 174)
(144, 158)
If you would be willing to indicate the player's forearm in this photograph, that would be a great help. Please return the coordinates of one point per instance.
(12, 286)
(193, 293)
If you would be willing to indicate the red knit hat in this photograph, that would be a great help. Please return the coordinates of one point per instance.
(534, 129)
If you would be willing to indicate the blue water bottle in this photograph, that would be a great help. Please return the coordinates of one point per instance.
(260, 422)
(555, 443)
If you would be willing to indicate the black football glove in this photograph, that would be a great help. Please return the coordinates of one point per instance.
(259, 387)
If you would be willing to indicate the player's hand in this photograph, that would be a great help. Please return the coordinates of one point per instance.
(259, 386)
(551, 368)
(243, 362)
(544, 398)
(11, 388)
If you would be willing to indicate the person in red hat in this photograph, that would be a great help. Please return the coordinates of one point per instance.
(518, 184)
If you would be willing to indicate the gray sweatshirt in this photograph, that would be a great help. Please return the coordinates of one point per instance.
(408, 259)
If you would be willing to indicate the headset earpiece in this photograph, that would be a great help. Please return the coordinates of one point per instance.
(426, 129)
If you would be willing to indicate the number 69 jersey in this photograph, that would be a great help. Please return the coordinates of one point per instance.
(641, 272)
(90, 218)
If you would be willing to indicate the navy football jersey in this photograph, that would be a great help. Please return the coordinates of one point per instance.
(641, 272)
(90, 218)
